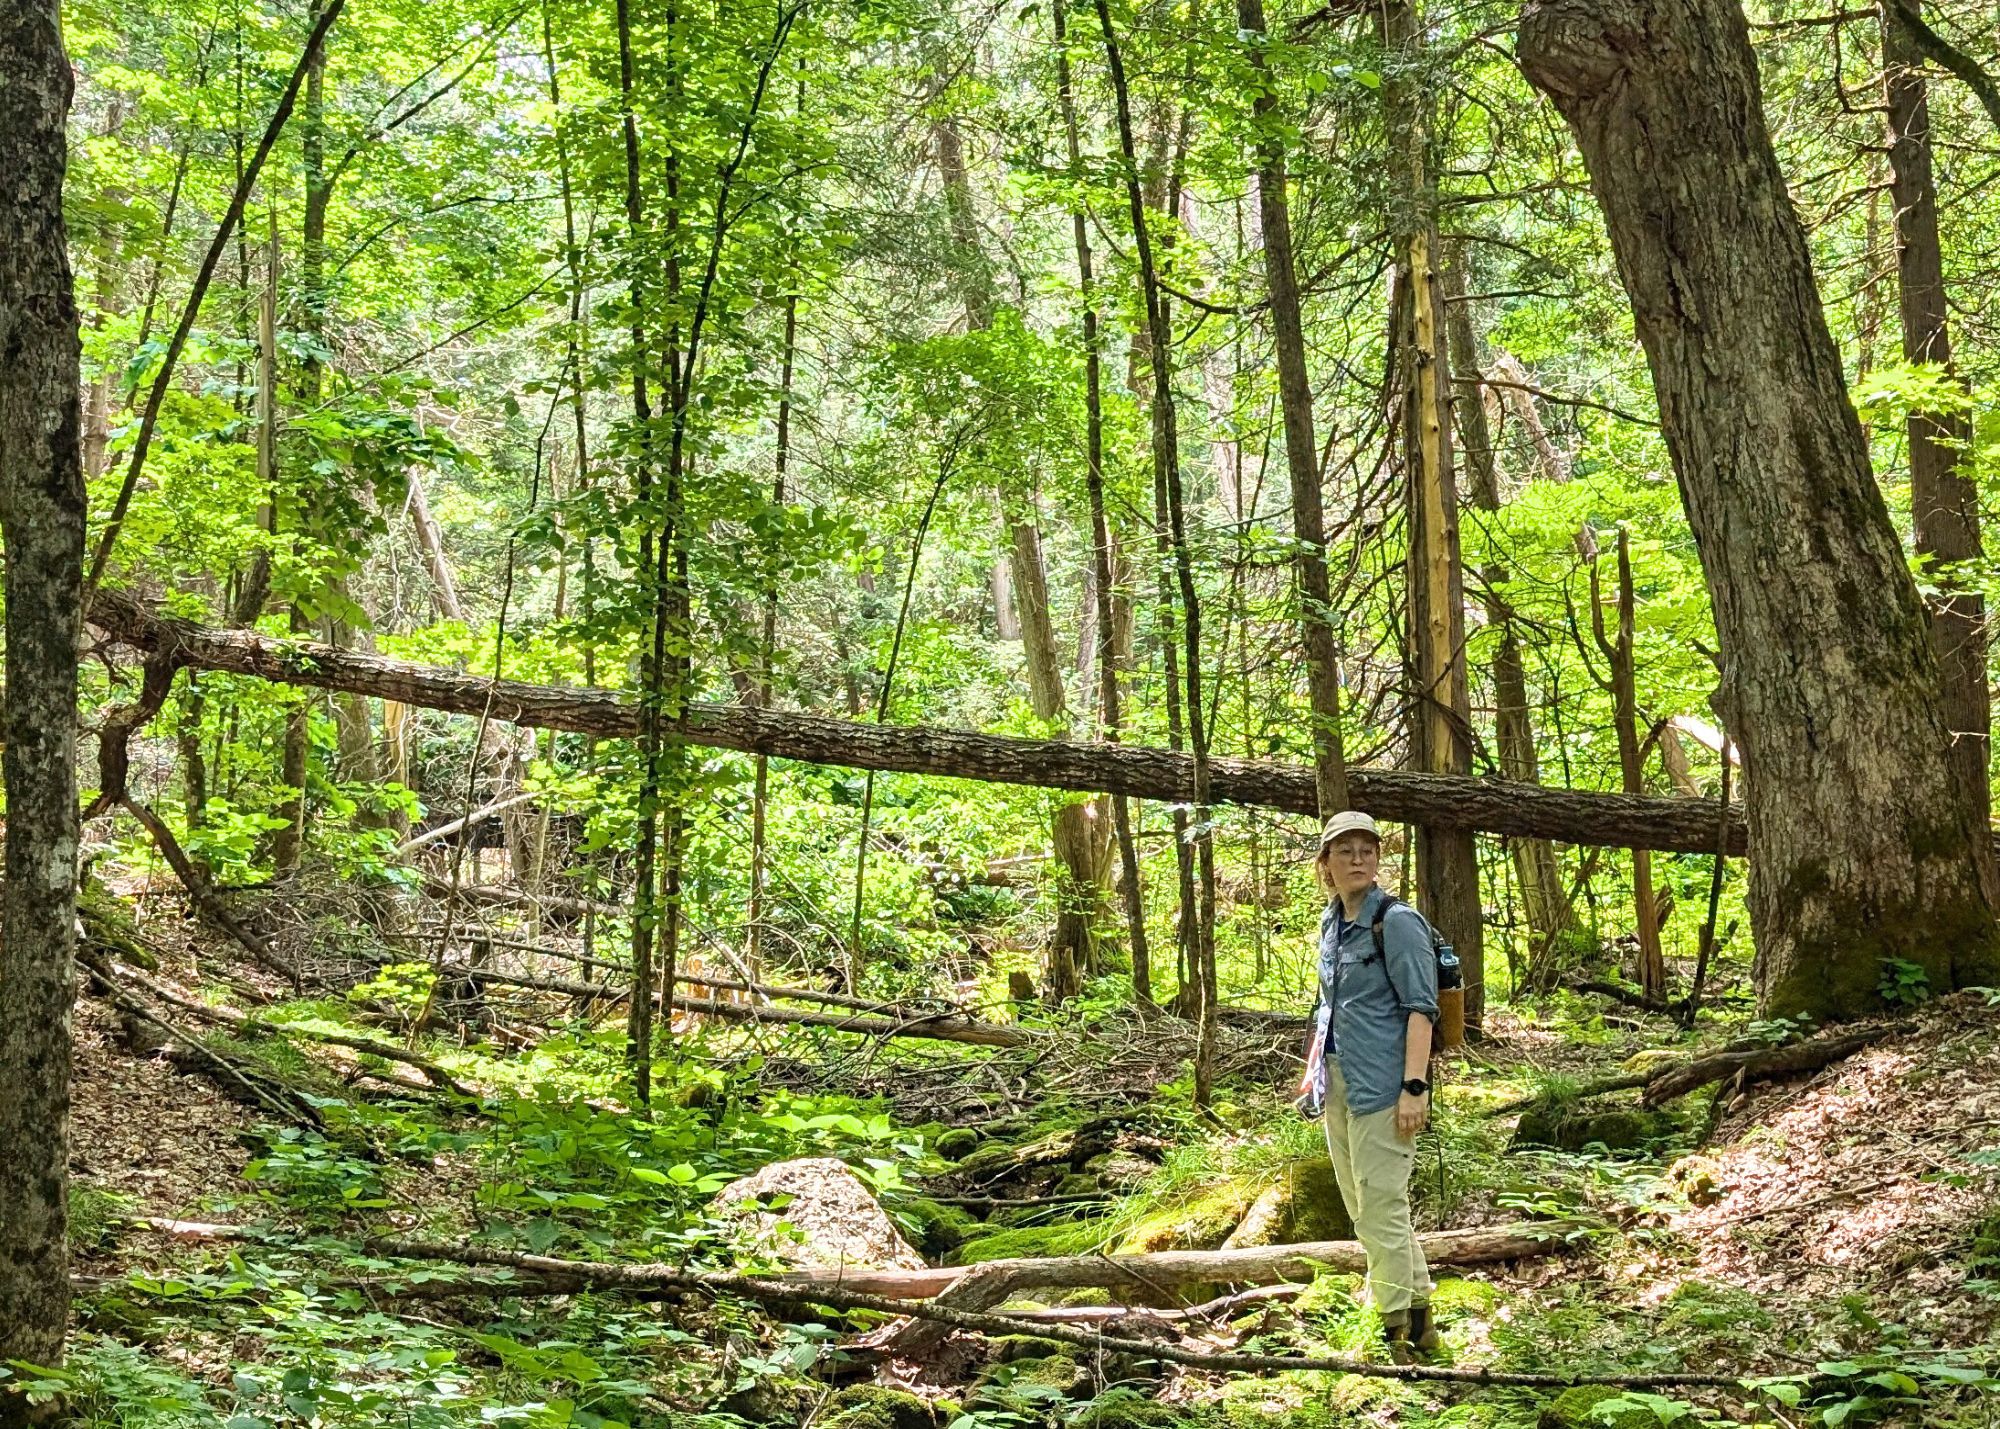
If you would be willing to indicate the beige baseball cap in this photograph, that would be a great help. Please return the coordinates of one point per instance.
(1349, 821)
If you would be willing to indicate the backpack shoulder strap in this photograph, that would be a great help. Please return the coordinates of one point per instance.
(1389, 900)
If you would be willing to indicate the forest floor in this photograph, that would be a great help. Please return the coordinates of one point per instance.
(1832, 1240)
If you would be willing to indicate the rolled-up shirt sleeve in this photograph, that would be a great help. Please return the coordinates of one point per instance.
(1412, 968)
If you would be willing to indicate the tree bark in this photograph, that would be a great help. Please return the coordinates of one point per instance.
(1624, 691)
(1867, 847)
(1498, 806)
(1080, 877)
(1944, 501)
(1167, 490)
(1441, 702)
(1104, 561)
(1295, 400)
(1535, 862)
(41, 524)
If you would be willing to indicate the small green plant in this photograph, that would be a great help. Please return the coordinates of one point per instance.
(1903, 983)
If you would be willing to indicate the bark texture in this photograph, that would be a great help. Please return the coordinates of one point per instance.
(1295, 399)
(1440, 700)
(1495, 805)
(1536, 864)
(1944, 502)
(41, 524)
(1867, 847)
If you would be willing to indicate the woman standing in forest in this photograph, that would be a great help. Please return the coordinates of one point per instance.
(1378, 983)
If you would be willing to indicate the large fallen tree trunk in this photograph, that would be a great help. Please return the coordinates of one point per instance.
(1677, 825)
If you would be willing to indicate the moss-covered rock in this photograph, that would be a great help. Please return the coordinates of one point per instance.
(1616, 1131)
(1119, 1170)
(1577, 1409)
(872, 1406)
(1199, 1222)
(956, 1144)
(776, 1401)
(1062, 1238)
(1315, 1208)
(1036, 1375)
(1078, 1183)
(1454, 1297)
(935, 1228)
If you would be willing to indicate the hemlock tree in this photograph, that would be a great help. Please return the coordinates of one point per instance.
(1864, 847)
(41, 523)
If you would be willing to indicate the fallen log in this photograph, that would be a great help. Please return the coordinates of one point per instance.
(1678, 825)
(244, 1022)
(994, 1282)
(937, 1026)
(1762, 1063)
(658, 1279)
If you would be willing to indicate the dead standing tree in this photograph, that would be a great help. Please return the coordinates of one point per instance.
(1867, 847)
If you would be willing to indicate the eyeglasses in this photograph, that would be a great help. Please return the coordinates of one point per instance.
(1354, 853)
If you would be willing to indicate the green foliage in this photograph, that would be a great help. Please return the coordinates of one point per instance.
(1903, 983)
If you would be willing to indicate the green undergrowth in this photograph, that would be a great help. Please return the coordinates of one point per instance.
(300, 1328)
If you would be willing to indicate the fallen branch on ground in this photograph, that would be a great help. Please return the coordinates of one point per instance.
(1762, 1063)
(597, 1275)
(995, 1281)
(244, 1022)
(938, 1026)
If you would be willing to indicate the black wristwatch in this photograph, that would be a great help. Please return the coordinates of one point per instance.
(1417, 1087)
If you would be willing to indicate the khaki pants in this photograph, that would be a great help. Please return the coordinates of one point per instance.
(1372, 1165)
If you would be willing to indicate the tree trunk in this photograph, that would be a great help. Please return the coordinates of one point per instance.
(1867, 847)
(1441, 713)
(1295, 398)
(41, 525)
(1535, 862)
(1080, 874)
(1167, 486)
(1498, 806)
(1104, 562)
(1943, 497)
(1624, 690)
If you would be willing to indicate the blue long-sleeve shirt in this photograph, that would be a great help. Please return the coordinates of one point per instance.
(1372, 998)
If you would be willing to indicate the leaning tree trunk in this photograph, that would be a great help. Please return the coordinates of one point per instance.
(1944, 501)
(41, 525)
(1867, 847)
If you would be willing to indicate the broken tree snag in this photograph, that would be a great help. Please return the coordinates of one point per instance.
(1867, 846)
(1675, 825)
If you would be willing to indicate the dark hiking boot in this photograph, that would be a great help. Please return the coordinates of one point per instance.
(1423, 1330)
(1396, 1336)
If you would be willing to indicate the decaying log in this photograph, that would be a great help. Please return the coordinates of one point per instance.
(937, 1026)
(667, 1279)
(1762, 1063)
(994, 1281)
(1499, 806)
(245, 1023)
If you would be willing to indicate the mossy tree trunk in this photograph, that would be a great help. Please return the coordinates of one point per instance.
(1865, 847)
